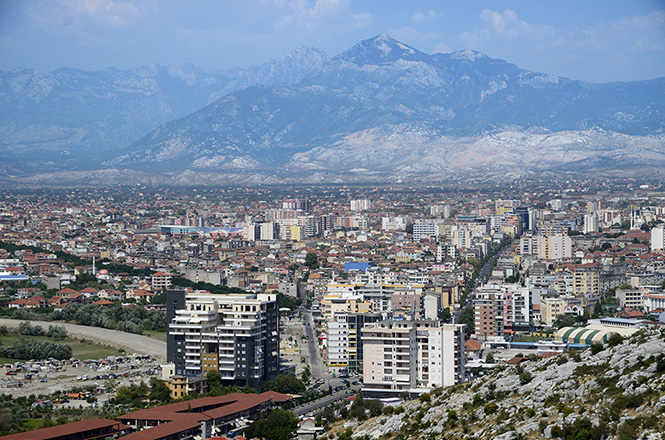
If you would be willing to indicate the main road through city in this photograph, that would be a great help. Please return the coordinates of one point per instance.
(316, 366)
(131, 342)
(319, 405)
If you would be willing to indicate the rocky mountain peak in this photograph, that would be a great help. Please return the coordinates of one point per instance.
(380, 50)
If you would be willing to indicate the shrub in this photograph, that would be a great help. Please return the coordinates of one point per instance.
(614, 340)
(425, 398)
(596, 348)
(525, 378)
(490, 408)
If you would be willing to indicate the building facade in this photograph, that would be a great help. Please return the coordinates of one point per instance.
(237, 335)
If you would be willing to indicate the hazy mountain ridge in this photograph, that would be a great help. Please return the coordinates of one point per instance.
(380, 111)
(382, 95)
(71, 112)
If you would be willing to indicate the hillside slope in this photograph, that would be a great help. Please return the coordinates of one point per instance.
(617, 393)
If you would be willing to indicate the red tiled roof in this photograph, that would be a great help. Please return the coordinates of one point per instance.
(472, 345)
(66, 430)
(184, 415)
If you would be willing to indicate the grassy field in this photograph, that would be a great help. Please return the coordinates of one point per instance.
(81, 350)
(160, 336)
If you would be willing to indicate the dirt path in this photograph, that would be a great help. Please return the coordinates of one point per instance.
(130, 342)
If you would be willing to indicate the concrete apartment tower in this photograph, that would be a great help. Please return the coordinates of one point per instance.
(236, 334)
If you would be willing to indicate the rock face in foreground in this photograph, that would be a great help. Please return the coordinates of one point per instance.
(617, 393)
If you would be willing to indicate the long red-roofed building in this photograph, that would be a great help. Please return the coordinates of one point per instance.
(200, 417)
(84, 430)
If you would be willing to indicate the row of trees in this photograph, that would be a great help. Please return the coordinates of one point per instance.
(34, 349)
(116, 317)
(54, 332)
(283, 383)
(212, 288)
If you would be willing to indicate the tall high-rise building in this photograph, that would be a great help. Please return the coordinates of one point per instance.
(297, 204)
(446, 355)
(237, 335)
(590, 223)
(360, 205)
(657, 238)
(404, 356)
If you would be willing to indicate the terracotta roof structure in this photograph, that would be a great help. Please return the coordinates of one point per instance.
(83, 430)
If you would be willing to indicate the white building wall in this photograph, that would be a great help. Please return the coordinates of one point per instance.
(657, 238)
(446, 355)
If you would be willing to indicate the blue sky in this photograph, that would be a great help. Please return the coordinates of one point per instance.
(592, 40)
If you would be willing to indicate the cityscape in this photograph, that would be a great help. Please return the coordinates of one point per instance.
(390, 293)
(332, 220)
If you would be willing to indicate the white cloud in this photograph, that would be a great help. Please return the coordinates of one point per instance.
(643, 33)
(363, 19)
(422, 17)
(306, 13)
(68, 14)
(640, 33)
(441, 48)
(618, 45)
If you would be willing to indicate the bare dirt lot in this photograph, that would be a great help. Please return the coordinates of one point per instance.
(141, 361)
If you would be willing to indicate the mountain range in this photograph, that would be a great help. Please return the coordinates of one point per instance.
(380, 111)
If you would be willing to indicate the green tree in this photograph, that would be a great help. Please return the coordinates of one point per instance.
(306, 375)
(214, 381)
(312, 260)
(131, 394)
(466, 317)
(445, 315)
(279, 425)
(57, 332)
(159, 391)
(285, 383)
(525, 377)
(287, 301)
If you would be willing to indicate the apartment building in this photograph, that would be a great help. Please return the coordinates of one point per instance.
(554, 247)
(411, 356)
(425, 230)
(446, 355)
(488, 311)
(586, 283)
(653, 301)
(344, 339)
(553, 306)
(630, 298)
(390, 357)
(237, 335)
(161, 281)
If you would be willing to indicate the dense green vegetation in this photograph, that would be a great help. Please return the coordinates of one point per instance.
(279, 425)
(132, 319)
(286, 301)
(34, 349)
(212, 288)
(30, 348)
